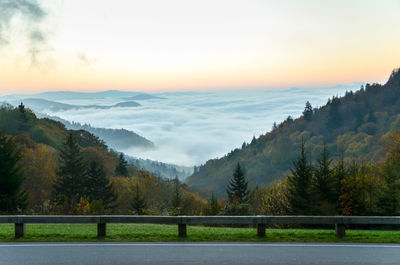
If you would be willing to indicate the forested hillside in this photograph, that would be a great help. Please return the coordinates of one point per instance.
(47, 169)
(161, 169)
(114, 138)
(355, 125)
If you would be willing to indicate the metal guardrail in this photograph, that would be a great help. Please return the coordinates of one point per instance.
(260, 222)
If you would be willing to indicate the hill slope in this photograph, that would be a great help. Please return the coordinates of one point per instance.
(45, 131)
(354, 125)
(115, 138)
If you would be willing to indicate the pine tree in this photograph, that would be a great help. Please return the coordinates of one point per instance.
(237, 189)
(176, 199)
(121, 169)
(340, 172)
(12, 198)
(322, 185)
(98, 187)
(299, 184)
(21, 108)
(308, 111)
(139, 202)
(72, 174)
(274, 126)
(253, 141)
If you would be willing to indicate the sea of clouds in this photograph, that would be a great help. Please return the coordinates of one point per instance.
(189, 128)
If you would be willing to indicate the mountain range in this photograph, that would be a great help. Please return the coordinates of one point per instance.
(43, 105)
(354, 126)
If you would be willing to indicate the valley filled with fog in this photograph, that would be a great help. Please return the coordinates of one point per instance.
(187, 128)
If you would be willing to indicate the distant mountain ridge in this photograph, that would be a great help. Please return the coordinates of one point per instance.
(115, 138)
(169, 171)
(72, 95)
(41, 105)
(355, 125)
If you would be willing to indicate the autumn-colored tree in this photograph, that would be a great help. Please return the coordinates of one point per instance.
(39, 167)
(192, 204)
(390, 199)
(271, 200)
(213, 207)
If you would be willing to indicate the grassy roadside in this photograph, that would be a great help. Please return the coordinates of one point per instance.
(156, 233)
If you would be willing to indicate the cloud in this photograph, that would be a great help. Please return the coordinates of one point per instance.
(189, 129)
(29, 9)
(85, 60)
(31, 12)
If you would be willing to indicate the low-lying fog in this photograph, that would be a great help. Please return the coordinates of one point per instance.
(190, 128)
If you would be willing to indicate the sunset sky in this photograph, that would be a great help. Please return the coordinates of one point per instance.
(178, 45)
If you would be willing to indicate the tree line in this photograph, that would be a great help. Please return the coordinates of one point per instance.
(329, 186)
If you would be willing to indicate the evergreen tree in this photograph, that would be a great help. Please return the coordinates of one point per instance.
(98, 186)
(21, 108)
(274, 126)
(323, 186)
(177, 208)
(24, 126)
(237, 189)
(12, 198)
(121, 169)
(334, 118)
(340, 172)
(253, 141)
(72, 174)
(139, 202)
(308, 111)
(299, 184)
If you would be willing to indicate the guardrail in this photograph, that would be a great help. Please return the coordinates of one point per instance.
(260, 222)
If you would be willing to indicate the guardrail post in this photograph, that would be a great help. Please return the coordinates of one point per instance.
(261, 230)
(182, 230)
(19, 230)
(340, 230)
(101, 230)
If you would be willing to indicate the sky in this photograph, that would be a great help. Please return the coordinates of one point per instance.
(182, 45)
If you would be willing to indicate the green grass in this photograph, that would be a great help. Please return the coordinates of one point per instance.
(153, 233)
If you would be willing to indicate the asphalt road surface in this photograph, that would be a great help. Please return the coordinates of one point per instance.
(197, 253)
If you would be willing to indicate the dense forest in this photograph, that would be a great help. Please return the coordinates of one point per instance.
(47, 169)
(354, 126)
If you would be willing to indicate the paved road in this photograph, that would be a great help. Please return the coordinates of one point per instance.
(196, 253)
